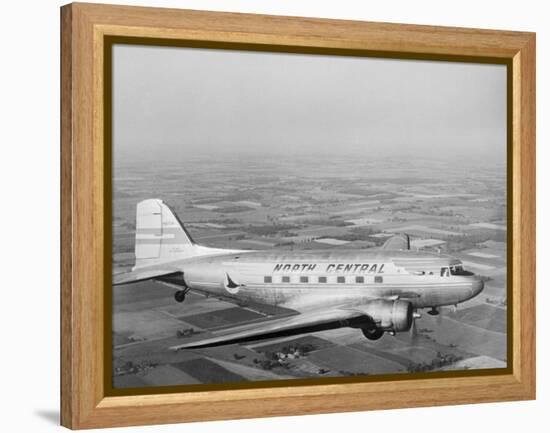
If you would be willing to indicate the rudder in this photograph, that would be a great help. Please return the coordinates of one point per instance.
(160, 235)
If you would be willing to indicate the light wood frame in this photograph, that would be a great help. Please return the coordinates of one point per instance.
(84, 403)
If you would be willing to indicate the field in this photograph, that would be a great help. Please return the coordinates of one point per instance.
(309, 203)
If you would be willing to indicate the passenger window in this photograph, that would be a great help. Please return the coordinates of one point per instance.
(340, 279)
(378, 279)
(359, 279)
(268, 279)
(322, 279)
(304, 279)
(285, 279)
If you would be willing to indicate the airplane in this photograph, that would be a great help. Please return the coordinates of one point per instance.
(377, 290)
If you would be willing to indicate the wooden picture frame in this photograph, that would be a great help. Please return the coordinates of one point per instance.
(85, 216)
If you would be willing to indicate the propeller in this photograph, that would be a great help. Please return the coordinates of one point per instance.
(447, 311)
(413, 332)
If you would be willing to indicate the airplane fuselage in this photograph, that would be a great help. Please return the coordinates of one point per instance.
(310, 279)
(376, 290)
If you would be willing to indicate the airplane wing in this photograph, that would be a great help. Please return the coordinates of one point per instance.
(397, 243)
(142, 275)
(312, 321)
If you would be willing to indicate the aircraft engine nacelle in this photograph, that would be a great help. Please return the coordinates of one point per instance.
(390, 315)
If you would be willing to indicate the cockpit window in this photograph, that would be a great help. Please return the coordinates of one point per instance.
(457, 270)
(453, 270)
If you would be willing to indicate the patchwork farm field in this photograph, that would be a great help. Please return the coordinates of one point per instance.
(142, 338)
(299, 204)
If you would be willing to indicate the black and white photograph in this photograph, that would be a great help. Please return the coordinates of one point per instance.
(280, 216)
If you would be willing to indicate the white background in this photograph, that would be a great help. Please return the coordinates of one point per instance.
(29, 215)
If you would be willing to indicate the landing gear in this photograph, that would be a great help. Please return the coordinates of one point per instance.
(433, 312)
(372, 332)
(179, 296)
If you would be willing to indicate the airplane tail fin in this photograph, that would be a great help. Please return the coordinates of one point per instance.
(160, 235)
(397, 242)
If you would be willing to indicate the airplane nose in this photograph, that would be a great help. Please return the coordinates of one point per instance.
(477, 287)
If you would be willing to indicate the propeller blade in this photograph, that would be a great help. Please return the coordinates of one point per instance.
(413, 332)
(439, 317)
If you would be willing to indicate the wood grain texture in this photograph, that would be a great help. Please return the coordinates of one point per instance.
(524, 220)
(67, 388)
(83, 400)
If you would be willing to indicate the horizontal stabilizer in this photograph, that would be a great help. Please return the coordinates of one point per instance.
(143, 275)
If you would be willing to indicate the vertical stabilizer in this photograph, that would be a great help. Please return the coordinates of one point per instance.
(160, 235)
(397, 242)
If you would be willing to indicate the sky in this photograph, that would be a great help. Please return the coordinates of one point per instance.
(186, 102)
